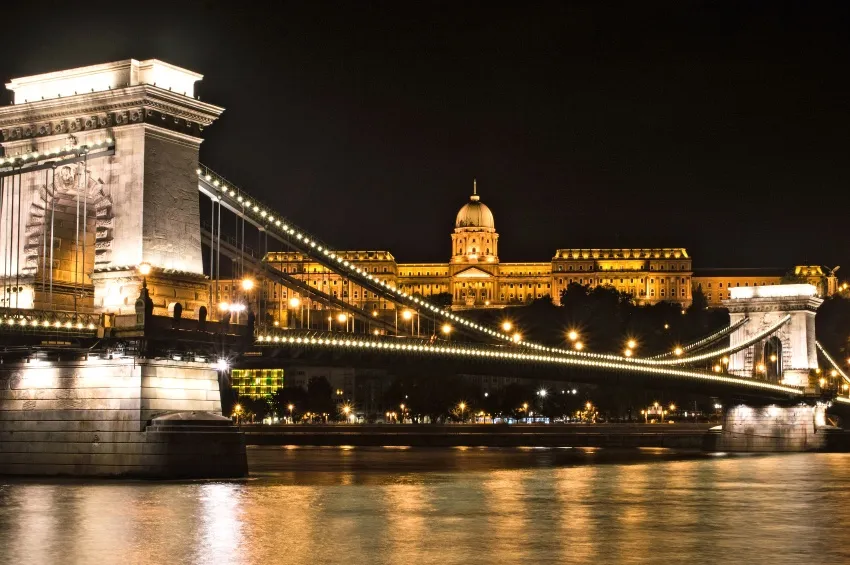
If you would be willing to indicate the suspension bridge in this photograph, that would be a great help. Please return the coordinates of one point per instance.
(112, 320)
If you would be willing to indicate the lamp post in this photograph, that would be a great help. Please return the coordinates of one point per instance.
(408, 315)
(462, 407)
(291, 407)
(294, 303)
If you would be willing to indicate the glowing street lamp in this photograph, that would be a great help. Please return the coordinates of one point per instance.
(572, 335)
(294, 302)
(447, 329)
(407, 314)
(578, 346)
(678, 351)
(247, 284)
(462, 407)
(144, 269)
(627, 352)
(631, 344)
(291, 407)
(517, 337)
(542, 393)
(341, 318)
(507, 326)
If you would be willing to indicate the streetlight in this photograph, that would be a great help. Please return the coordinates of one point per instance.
(578, 345)
(627, 352)
(447, 329)
(542, 393)
(572, 335)
(408, 315)
(678, 351)
(462, 407)
(631, 344)
(144, 269)
(247, 284)
(237, 410)
(506, 325)
(294, 303)
(291, 408)
(517, 337)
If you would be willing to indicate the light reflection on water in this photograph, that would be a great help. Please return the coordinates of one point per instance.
(362, 505)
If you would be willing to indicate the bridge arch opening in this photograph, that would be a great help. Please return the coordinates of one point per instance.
(772, 359)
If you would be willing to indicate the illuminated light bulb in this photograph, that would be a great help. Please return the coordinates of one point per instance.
(208, 177)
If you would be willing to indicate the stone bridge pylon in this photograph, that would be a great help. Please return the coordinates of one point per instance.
(98, 175)
(789, 354)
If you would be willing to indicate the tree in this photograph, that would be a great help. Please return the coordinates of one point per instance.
(295, 396)
(253, 409)
(792, 277)
(441, 299)
(320, 396)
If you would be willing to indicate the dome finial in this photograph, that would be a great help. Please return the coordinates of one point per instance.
(474, 196)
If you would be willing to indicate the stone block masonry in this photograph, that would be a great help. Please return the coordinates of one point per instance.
(773, 428)
(123, 417)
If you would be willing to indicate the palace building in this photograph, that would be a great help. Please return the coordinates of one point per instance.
(474, 277)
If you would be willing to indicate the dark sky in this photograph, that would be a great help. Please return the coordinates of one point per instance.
(721, 127)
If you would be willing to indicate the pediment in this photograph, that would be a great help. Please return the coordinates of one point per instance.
(473, 273)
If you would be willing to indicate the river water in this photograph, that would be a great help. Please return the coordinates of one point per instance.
(466, 505)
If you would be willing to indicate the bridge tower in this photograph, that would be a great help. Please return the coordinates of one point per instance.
(103, 180)
(789, 353)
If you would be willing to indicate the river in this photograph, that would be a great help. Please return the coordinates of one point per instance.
(445, 506)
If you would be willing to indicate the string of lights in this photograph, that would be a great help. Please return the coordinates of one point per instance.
(326, 341)
(706, 340)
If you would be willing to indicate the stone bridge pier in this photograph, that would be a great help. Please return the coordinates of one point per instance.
(773, 428)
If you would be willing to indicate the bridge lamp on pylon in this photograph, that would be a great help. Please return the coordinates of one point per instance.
(507, 325)
(627, 352)
(447, 329)
(578, 346)
(678, 351)
(631, 344)
(517, 337)
(572, 335)
(294, 302)
(247, 284)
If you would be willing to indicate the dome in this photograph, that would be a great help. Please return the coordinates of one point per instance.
(475, 214)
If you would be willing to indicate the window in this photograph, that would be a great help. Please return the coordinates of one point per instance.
(709, 285)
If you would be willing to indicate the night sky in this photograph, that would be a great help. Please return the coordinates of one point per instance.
(721, 127)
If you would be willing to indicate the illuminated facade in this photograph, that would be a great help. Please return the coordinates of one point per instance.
(256, 383)
(475, 277)
(717, 284)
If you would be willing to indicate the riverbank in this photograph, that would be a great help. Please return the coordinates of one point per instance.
(685, 436)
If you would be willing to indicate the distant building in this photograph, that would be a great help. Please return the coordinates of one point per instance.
(716, 283)
(475, 277)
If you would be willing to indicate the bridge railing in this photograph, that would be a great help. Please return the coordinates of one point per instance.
(50, 321)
